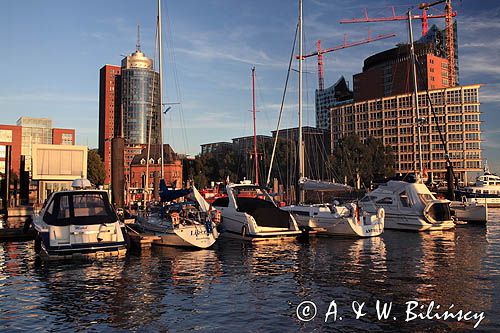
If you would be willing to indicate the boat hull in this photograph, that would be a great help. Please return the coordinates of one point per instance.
(348, 226)
(470, 212)
(189, 236)
(415, 223)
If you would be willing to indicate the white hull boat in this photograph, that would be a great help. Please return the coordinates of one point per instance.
(338, 220)
(193, 234)
(472, 212)
(409, 206)
(249, 213)
(78, 223)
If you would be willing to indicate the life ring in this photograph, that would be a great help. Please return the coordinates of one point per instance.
(380, 213)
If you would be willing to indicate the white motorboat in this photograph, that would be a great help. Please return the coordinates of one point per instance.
(409, 206)
(249, 213)
(77, 223)
(338, 220)
(472, 212)
(485, 191)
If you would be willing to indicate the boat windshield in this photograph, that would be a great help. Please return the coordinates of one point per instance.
(251, 192)
(426, 198)
(79, 208)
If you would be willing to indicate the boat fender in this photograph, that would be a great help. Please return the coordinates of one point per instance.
(356, 215)
(27, 225)
(243, 231)
(380, 213)
(216, 216)
(175, 218)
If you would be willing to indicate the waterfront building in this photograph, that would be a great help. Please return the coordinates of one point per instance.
(244, 144)
(392, 119)
(11, 135)
(109, 112)
(328, 98)
(388, 73)
(140, 100)
(129, 96)
(172, 168)
(218, 149)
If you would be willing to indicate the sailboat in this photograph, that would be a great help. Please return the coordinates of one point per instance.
(327, 219)
(184, 224)
(248, 212)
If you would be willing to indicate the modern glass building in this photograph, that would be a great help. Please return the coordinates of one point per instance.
(140, 100)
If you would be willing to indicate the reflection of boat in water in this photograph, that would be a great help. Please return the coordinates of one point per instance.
(78, 222)
(409, 206)
(249, 213)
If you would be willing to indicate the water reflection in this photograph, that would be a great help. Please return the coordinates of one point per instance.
(256, 287)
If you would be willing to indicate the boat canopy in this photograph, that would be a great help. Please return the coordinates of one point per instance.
(168, 195)
(79, 208)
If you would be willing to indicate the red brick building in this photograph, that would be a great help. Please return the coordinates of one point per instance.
(109, 112)
(63, 136)
(172, 168)
(388, 73)
(11, 135)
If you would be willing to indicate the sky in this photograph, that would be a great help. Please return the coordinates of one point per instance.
(53, 50)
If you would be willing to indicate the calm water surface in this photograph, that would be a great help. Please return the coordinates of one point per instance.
(257, 288)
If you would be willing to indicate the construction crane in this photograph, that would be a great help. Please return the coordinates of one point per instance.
(450, 45)
(345, 45)
(424, 18)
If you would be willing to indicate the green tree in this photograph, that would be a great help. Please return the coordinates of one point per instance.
(95, 168)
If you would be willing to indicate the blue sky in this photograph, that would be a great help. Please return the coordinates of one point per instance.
(53, 50)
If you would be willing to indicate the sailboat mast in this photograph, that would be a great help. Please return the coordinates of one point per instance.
(415, 91)
(160, 87)
(254, 129)
(300, 144)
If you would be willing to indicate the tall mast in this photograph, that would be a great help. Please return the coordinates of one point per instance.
(415, 91)
(300, 145)
(160, 86)
(254, 129)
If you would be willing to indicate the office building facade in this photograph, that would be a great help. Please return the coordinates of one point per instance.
(392, 119)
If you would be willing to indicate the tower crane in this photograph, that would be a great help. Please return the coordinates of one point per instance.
(423, 18)
(450, 45)
(345, 45)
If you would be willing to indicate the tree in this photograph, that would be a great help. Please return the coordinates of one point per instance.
(95, 168)
(371, 159)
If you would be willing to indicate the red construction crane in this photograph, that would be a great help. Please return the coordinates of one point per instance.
(450, 45)
(320, 52)
(424, 17)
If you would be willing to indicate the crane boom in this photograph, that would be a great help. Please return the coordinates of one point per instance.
(345, 45)
(424, 17)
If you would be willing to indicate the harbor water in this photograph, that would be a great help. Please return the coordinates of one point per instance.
(237, 287)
